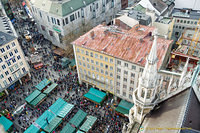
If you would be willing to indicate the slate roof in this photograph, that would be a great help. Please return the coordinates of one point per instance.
(5, 38)
(159, 5)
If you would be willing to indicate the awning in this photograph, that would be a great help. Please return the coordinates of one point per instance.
(43, 84)
(32, 96)
(57, 105)
(59, 51)
(6, 123)
(68, 129)
(53, 124)
(73, 63)
(95, 95)
(65, 110)
(79, 131)
(50, 88)
(87, 125)
(38, 65)
(78, 118)
(32, 129)
(38, 99)
(124, 107)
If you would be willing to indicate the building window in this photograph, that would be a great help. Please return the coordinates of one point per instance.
(142, 94)
(4, 67)
(101, 57)
(54, 20)
(89, 73)
(124, 93)
(97, 63)
(5, 83)
(91, 54)
(50, 33)
(148, 94)
(5, 57)
(102, 78)
(15, 76)
(106, 66)
(92, 61)
(132, 82)
(10, 79)
(80, 63)
(118, 70)
(130, 89)
(111, 74)
(83, 58)
(1, 60)
(2, 50)
(1, 76)
(40, 14)
(106, 72)
(126, 72)
(97, 6)
(118, 77)
(125, 79)
(118, 83)
(88, 66)
(19, 72)
(43, 28)
(8, 63)
(18, 57)
(87, 60)
(66, 20)
(16, 51)
(13, 44)
(78, 14)
(86, 52)
(92, 67)
(90, 8)
(118, 91)
(8, 47)
(16, 66)
(132, 75)
(84, 64)
(111, 68)
(126, 64)
(119, 62)
(101, 64)
(111, 60)
(11, 54)
(6, 73)
(97, 69)
(141, 69)
(96, 55)
(58, 21)
(48, 18)
(106, 59)
(130, 96)
(13, 60)
(102, 71)
(72, 17)
(133, 67)
(82, 13)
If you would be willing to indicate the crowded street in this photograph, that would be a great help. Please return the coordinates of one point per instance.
(69, 89)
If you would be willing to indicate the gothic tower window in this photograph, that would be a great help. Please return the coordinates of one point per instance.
(139, 110)
(148, 94)
(142, 94)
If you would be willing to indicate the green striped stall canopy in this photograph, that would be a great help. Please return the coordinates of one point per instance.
(61, 108)
(124, 107)
(50, 88)
(68, 129)
(53, 124)
(43, 84)
(95, 95)
(87, 125)
(78, 118)
(32, 129)
(6, 123)
(38, 99)
(32, 96)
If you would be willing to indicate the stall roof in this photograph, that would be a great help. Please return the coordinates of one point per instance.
(38, 99)
(41, 121)
(53, 124)
(32, 129)
(6, 123)
(32, 96)
(79, 131)
(87, 125)
(43, 84)
(59, 51)
(78, 118)
(95, 95)
(50, 88)
(73, 63)
(65, 109)
(68, 129)
(124, 107)
(57, 105)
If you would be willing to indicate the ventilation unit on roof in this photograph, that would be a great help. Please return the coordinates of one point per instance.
(2, 38)
(71, 8)
(84, 3)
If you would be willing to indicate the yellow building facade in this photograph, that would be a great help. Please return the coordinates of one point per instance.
(95, 68)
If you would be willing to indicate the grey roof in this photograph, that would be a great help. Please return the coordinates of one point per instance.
(192, 14)
(168, 115)
(159, 5)
(5, 38)
(138, 15)
(192, 114)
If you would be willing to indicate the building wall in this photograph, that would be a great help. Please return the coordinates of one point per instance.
(127, 76)
(95, 68)
(13, 65)
(94, 14)
(181, 23)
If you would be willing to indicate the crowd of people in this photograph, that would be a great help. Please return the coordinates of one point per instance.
(68, 88)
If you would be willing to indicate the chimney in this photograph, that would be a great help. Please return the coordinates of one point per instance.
(92, 34)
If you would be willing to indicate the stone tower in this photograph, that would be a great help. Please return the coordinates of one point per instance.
(145, 95)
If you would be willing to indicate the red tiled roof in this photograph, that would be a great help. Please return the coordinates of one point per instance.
(133, 45)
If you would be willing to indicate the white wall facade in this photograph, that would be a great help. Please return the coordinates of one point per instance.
(13, 65)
